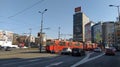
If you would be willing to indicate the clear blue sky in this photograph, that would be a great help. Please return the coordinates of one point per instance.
(60, 13)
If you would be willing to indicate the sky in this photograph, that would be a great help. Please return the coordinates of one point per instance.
(19, 16)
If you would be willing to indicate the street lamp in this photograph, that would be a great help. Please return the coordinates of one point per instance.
(118, 10)
(114, 23)
(41, 28)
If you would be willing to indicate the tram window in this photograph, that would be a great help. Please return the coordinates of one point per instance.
(62, 43)
(77, 44)
(49, 43)
(70, 44)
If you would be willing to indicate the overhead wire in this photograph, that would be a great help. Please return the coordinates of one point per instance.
(26, 9)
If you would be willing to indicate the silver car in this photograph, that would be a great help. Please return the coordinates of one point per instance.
(66, 51)
(98, 49)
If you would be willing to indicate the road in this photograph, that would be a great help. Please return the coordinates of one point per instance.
(35, 59)
(104, 61)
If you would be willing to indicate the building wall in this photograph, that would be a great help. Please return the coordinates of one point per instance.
(108, 34)
(79, 21)
(15, 36)
(85, 21)
(9, 35)
(88, 32)
(32, 38)
(6, 36)
(117, 34)
(77, 26)
(97, 31)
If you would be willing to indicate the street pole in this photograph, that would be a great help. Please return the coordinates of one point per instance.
(41, 29)
(30, 38)
(115, 23)
(59, 33)
(118, 11)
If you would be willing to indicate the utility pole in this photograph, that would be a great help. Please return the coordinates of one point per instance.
(41, 28)
(59, 33)
(30, 37)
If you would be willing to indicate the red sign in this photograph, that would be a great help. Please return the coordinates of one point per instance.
(77, 9)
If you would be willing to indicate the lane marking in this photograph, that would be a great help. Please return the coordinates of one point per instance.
(86, 59)
(54, 64)
(21, 62)
(88, 55)
(83, 60)
(34, 60)
(27, 65)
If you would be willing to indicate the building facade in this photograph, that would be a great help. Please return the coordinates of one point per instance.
(6, 37)
(79, 21)
(117, 35)
(88, 32)
(108, 34)
(97, 33)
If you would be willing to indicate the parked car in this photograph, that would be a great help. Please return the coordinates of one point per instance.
(6, 48)
(78, 52)
(109, 51)
(113, 48)
(66, 51)
(98, 49)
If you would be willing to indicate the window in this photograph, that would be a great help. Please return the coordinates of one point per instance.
(62, 43)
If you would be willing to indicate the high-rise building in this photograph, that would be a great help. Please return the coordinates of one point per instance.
(79, 21)
(108, 34)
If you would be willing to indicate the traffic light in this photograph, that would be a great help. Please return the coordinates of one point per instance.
(38, 34)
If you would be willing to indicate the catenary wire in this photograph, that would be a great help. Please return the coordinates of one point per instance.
(26, 9)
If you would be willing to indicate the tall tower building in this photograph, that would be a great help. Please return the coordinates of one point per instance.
(79, 22)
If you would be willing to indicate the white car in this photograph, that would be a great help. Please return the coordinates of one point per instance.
(66, 51)
(98, 49)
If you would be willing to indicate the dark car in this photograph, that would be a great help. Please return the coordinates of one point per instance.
(5, 48)
(109, 51)
(78, 52)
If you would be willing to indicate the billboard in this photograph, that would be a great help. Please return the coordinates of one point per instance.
(78, 9)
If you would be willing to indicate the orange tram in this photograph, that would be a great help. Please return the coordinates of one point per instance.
(56, 46)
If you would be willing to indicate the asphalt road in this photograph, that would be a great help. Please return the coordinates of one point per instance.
(58, 61)
(104, 61)
(30, 58)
